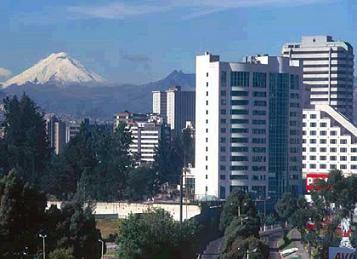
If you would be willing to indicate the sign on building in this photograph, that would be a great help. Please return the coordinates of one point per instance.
(341, 253)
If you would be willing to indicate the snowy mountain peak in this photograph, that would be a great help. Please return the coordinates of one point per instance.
(58, 68)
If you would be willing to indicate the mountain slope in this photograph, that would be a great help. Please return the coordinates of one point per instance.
(58, 68)
(98, 101)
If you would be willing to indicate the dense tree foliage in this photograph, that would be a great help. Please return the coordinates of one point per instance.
(25, 145)
(22, 211)
(241, 226)
(61, 253)
(318, 221)
(95, 164)
(156, 235)
(23, 218)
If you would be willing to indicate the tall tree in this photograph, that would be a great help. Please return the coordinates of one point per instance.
(21, 216)
(25, 145)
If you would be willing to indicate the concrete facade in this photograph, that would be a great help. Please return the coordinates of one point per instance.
(123, 209)
(248, 126)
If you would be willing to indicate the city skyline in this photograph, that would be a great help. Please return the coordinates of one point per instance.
(142, 41)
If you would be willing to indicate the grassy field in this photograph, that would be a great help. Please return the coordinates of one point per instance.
(107, 226)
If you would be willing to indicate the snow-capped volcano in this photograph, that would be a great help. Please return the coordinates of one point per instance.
(57, 68)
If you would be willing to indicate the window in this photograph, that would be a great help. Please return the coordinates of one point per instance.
(260, 103)
(353, 158)
(239, 168)
(259, 113)
(323, 125)
(239, 149)
(312, 132)
(223, 140)
(258, 140)
(223, 130)
(207, 112)
(323, 133)
(322, 149)
(343, 141)
(333, 158)
(238, 130)
(223, 121)
(333, 150)
(333, 133)
(343, 158)
(333, 141)
(312, 157)
(312, 141)
(239, 93)
(223, 78)
(239, 158)
(313, 166)
(323, 166)
(207, 74)
(259, 122)
(239, 121)
(223, 112)
(343, 150)
(312, 116)
(206, 93)
(239, 140)
(239, 177)
(323, 141)
(222, 176)
(312, 124)
(259, 149)
(312, 149)
(223, 93)
(239, 78)
(223, 149)
(239, 112)
(240, 102)
(259, 94)
(259, 80)
(322, 157)
(259, 131)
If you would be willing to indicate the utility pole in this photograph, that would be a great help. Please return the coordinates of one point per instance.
(43, 245)
(181, 195)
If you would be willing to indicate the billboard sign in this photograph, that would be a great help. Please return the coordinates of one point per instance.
(341, 253)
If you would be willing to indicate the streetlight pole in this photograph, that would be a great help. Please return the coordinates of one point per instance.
(43, 245)
(99, 240)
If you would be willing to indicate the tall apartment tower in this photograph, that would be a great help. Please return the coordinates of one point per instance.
(328, 71)
(56, 132)
(248, 126)
(159, 103)
(175, 106)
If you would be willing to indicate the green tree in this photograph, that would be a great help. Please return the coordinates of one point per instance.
(73, 228)
(156, 235)
(142, 183)
(238, 204)
(252, 246)
(21, 216)
(25, 145)
(61, 253)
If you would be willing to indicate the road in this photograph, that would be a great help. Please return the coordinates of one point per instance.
(213, 249)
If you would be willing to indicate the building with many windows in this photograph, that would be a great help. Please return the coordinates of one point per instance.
(56, 132)
(147, 130)
(328, 71)
(175, 106)
(329, 141)
(248, 126)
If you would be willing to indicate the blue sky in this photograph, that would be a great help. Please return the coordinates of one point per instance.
(140, 41)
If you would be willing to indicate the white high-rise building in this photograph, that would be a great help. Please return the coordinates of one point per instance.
(159, 103)
(328, 71)
(248, 126)
(175, 106)
(329, 141)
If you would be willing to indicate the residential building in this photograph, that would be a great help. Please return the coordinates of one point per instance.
(56, 132)
(72, 129)
(159, 103)
(175, 106)
(329, 141)
(146, 132)
(328, 71)
(248, 126)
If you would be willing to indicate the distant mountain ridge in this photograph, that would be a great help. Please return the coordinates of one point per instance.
(57, 68)
(98, 101)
